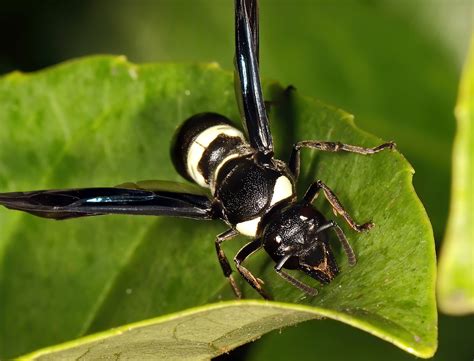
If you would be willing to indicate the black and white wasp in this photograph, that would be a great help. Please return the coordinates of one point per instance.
(252, 192)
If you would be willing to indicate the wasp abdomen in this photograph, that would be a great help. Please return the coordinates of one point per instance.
(202, 144)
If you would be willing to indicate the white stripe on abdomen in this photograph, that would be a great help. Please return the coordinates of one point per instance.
(199, 145)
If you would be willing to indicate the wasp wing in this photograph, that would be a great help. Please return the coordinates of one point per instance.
(142, 198)
(252, 15)
(247, 78)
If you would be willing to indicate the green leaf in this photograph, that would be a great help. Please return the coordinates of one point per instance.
(197, 334)
(456, 267)
(330, 340)
(103, 121)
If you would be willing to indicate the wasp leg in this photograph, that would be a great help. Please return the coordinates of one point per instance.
(342, 238)
(245, 252)
(313, 192)
(293, 281)
(224, 262)
(294, 162)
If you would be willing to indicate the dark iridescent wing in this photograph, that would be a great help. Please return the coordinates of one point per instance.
(252, 14)
(247, 78)
(143, 198)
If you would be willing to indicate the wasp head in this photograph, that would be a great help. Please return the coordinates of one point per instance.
(298, 232)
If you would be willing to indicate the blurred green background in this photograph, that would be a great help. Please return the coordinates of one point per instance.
(395, 64)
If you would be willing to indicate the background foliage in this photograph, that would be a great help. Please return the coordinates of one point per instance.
(395, 64)
(456, 264)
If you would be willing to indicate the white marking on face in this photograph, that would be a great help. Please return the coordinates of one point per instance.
(200, 144)
(248, 228)
(303, 218)
(278, 239)
(283, 189)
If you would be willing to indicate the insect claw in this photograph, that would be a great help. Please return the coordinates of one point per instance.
(389, 145)
(365, 227)
(235, 288)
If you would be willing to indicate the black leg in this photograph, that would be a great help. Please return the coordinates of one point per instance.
(293, 281)
(224, 262)
(245, 252)
(337, 207)
(294, 162)
(342, 238)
